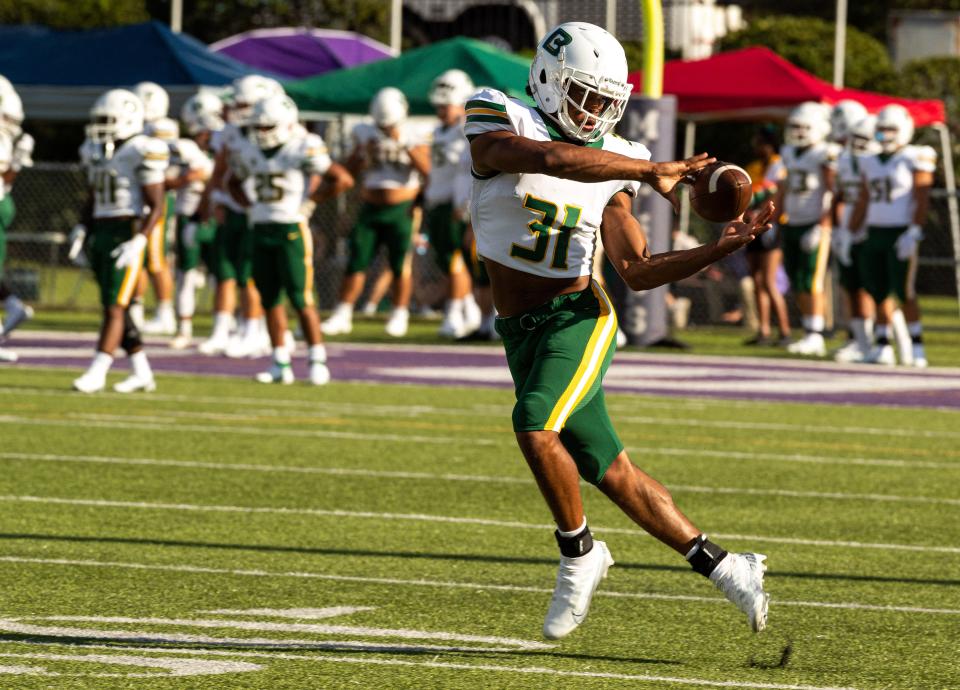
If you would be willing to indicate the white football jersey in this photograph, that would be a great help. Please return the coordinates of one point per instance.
(186, 155)
(534, 223)
(20, 158)
(235, 142)
(390, 166)
(890, 184)
(281, 176)
(805, 193)
(117, 181)
(849, 179)
(446, 149)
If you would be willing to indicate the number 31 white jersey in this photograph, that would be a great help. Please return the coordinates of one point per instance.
(281, 176)
(890, 184)
(117, 181)
(534, 223)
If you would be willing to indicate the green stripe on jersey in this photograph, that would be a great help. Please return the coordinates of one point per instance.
(488, 118)
(486, 104)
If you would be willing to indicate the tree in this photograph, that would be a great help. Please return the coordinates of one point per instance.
(73, 14)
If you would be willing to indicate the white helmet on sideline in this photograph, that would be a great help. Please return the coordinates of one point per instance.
(894, 127)
(577, 54)
(156, 102)
(202, 111)
(863, 137)
(246, 92)
(453, 87)
(273, 121)
(389, 107)
(11, 111)
(807, 124)
(844, 115)
(116, 115)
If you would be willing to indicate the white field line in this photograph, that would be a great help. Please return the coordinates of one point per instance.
(504, 411)
(472, 478)
(463, 666)
(443, 519)
(174, 667)
(446, 584)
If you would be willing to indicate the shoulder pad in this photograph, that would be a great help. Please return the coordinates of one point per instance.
(487, 112)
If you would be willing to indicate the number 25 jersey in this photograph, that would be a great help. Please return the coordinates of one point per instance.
(535, 223)
(890, 184)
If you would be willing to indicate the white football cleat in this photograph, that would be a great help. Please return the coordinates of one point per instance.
(881, 354)
(277, 373)
(319, 373)
(23, 312)
(134, 383)
(90, 383)
(622, 340)
(339, 323)
(213, 346)
(577, 580)
(810, 345)
(740, 577)
(397, 323)
(160, 326)
(849, 353)
(919, 363)
(453, 326)
(181, 342)
(8, 355)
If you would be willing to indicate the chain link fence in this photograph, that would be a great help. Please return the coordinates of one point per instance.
(49, 198)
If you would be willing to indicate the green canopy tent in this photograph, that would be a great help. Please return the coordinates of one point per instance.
(351, 90)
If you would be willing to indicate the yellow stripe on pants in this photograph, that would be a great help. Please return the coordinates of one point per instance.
(130, 281)
(823, 255)
(601, 338)
(307, 263)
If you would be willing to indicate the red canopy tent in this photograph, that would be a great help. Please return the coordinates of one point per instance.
(754, 83)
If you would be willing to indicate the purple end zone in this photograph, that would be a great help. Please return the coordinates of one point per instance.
(780, 380)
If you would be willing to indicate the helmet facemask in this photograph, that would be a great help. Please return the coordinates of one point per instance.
(577, 90)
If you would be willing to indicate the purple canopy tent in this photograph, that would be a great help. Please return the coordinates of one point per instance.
(298, 52)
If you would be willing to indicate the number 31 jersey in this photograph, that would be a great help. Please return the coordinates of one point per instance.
(890, 184)
(535, 223)
(281, 176)
(117, 180)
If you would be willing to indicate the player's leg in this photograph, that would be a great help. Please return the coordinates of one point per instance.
(396, 226)
(189, 279)
(772, 260)
(251, 338)
(808, 279)
(224, 303)
(15, 311)
(164, 321)
(267, 267)
(873, 270)
(297, 274)
(905, 287)
(362, 246)
(754, 258)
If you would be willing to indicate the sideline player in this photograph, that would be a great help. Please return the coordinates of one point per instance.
(805, 197)
(893, 204)
(393, 163)
(548, 178)
(287, 165)
(445, 224)
(126, 174)
(16, 150)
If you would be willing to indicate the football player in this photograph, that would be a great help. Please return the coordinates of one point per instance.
(125, 170)
(805, 198)
(548, 179)
(16, 149)
(287, 166)
(445, 222)
(201, 115)
(234, 238)
(893, 203)
(852, 128)
(156, 104)
(393, 162)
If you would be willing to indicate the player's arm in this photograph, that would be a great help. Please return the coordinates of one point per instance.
(859, 213)
(215, 182)
(626, 246)
(922, 183)
(357, 161)
(334, 182)
(420, 158)
(503, 151)
(153, 200)
(236, 191)
(829, 181)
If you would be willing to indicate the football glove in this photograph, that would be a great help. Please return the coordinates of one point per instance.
(77, 237)
(841, 240)
(189, 236)
(307, 208)
(811, 239)
(130, 252)
(908, 241)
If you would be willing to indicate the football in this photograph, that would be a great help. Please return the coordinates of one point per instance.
(721, 192)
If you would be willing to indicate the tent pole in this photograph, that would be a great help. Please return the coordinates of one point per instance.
(689, 136)
(951, 182)
(396, 18)
(840, 44)
(176, 16)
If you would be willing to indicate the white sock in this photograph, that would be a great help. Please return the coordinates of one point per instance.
(187, 294)
(186, 328)
(343, 309)
(915, 329)
(281, 356)
(317, 353)
(901, 336)
(868, 325)
(567, 535)
(221, 325)
(400, 311)
(165, 310)
(816, 323)
(100, 365)
(141, 365)
(453, 306)
(859, 330)
(136, 313)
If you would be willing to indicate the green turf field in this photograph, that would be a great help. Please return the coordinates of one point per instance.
(390, 537)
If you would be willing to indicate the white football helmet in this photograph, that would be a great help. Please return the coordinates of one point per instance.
(389, 107)
(894, 128)
(203, 111)
(863, 137)
(584, 56)
(273, 121)
(844, 115)
(246, 92)
(453, 87)
(808, 124)
(116, 115)
(156, 102)
(165, 129)
(11, 111)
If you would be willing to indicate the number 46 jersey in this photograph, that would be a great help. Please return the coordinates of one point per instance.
(281, 176)
(117, 180)
(535, 223)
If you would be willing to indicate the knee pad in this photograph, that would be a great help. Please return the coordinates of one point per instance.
(131, 339)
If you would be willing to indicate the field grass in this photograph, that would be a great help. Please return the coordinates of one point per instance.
(391, 537)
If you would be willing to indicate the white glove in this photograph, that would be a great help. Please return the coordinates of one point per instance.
(811, 239)
(841, 240)
(908, 241)
(189, 235)
(77, 236)
(130, 252)
(307, 208)
(23, 152)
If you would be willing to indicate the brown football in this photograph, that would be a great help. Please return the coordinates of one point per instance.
(721, 192)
